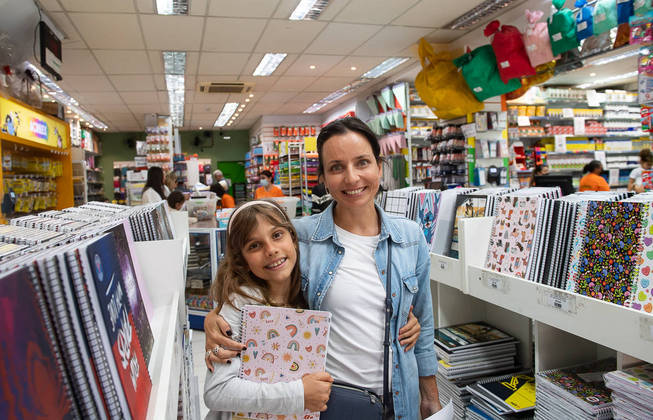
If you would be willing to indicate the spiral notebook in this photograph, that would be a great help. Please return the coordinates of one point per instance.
(283, 344)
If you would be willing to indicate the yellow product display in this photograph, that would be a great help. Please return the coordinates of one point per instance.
(27, 203)
(21, 184)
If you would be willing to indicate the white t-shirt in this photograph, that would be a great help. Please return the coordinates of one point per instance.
(636, 174)
(357, 297)
(150, 196)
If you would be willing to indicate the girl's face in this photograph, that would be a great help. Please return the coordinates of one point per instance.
(351, 172)
(645, 165)
(270, 252)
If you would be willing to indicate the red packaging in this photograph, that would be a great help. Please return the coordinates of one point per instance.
(275, 131)
(296, 131)
(313, 129)
(284, 131)
(508, 46)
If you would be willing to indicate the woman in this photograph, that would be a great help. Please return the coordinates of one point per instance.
(226, 200)
(593, 181)
(170, 182)
(154, 190)
(267, 188)
(343, 258)
(645, 163)
(538, 171)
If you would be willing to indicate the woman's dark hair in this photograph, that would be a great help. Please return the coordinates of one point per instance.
(592, 166)
(538, 169)
(174, 198)
(266, 173)
(646, 156)
(155, 181)
(343, 126)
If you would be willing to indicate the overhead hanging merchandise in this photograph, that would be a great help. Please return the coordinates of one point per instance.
(159, 144)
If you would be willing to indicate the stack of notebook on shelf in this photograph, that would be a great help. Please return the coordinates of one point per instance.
(473, 350)
(632, 392)
(396, 201)
(503, 397)
(577, 392)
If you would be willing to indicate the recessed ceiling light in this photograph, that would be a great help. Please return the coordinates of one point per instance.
(200, 127)
(251, 95)
(592, 74)
(312, 67)
(247, 100)
(384, 67)
(309, 9)
(269, 64)
(236, 115)
(172, 7)
(352, 68)
(227, 111)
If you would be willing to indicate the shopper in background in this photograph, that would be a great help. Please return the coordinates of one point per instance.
(259, 234)
(176, 200)
(267, 189)
(320, 197)
(170, 182)
(539, 170)
(593, 181)
(645, 163)
(227, 201)
(154, 190)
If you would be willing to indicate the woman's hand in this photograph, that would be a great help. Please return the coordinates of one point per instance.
(317, 389)
(409, 333)
(219, 348)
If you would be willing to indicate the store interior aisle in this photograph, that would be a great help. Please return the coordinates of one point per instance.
(199, 368)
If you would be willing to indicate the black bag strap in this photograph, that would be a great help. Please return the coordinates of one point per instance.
(387, 390)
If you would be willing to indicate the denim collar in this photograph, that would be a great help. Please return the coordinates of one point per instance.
(326, 227)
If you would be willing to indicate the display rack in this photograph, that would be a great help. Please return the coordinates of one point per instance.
(420, 121)
(293, 170)
(159, 143)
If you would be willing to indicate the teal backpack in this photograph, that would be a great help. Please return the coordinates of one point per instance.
(605, 16)
(562, 29)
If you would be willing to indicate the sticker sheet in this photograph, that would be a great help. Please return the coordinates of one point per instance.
(641, 297)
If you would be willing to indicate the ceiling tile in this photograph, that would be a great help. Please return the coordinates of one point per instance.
(242, 8)
(308, 97)
(142, 82)
(90, 83)
(256, 58)
(434, 14)
(322, 63)
(341, 38)
(121, 6)
(205, 117)
(72, 38)
(328, 84)
(212, 108)
(160, 82)
(292, 83)
(77, 62)
(192, 61)
(120, 116)
(362, 64)
(148, 108)
(198, 7)
(275, 97)
(92, 98)
(140, 97)
(110, 31)
(50, 5)
(293, 107)
(288, 36)
(163, 98)
(156, 60)
(222, 63)
(261, 84)
(443, 36)
(110, 107)
(370, 11)
(172, 33)
(391, 39)
(219, 34)
(335, 7)
(124, 62)
(210, 98)
(146, 6)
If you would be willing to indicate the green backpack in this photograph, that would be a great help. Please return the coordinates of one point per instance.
(605, 16)
(479, 68)
(562, 29)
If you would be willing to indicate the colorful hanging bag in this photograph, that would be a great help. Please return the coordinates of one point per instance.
(642, 7)
(605, 16)
(479, 68)
(584, 21)
(441, 86)
(509, 50)
(536, 39)
(625, 9)
(562, 29)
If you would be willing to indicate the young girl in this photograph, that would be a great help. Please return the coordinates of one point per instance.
(260, 268)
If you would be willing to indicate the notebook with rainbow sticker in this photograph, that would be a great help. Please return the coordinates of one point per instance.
(283, 344)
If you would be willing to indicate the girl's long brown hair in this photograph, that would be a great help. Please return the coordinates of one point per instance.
(234, 273)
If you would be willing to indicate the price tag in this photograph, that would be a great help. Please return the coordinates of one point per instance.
(646, 328)
(579, 125)
(600, 156)
(443, 265)
(567, 113)
(494, 282)
(523, 121)
(558, 299)
(560, 143)
(469, 130)
(613, 176)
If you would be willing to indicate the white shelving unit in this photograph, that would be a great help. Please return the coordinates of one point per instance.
(555, 327)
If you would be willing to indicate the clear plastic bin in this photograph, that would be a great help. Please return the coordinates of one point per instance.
(201, 208)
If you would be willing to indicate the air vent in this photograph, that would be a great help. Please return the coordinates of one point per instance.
(233, 87)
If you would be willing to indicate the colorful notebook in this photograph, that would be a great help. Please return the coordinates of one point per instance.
(467, 206)
(283, 344)
(427, 212)
(469, 335)
(513, 394)
(641, 296)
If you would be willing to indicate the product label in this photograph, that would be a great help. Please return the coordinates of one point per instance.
(505, 64)
(558, 300)
(443, 265)
(599, 18)
(531, 47)
(622, 1)
(478, 89)
(557, 37)
(581, 26)
(639, 3)
(38, 128)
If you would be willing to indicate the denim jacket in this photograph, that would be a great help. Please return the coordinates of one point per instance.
(320, 256)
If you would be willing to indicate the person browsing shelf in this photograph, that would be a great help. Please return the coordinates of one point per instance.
(226, 200)
(267, 189)
(593, 181)
(154, 190)
(176, 200)
(635, 178)
(539, 170)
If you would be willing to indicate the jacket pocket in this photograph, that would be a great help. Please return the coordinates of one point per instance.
(409, 290)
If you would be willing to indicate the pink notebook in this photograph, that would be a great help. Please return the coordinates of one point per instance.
(283, 344)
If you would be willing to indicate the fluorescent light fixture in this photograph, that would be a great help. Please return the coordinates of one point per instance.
(334, 96)
(172, 7)
(63, 98)
(608, 80)
(227, 111)
(614, 58)
(174, 64)
(309, 9)
(384, 67)
(269, 64)
(477, 14)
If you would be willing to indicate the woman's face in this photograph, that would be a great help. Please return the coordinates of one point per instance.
(351, 172)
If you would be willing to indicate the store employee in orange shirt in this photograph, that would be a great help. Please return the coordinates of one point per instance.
(593, 181)
(267, 190)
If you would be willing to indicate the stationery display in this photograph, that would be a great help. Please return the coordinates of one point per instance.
(632, 392)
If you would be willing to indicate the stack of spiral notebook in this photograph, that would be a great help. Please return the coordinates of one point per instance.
(632, 392)
(577, 392)
(504, 397)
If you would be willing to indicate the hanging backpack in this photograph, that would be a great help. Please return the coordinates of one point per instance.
(441, 86)
(479, 68)
(625, 9)
(562, 29)
(509, 51)
(536, 39)
(605, 16)
(584, 22)
(642, 7)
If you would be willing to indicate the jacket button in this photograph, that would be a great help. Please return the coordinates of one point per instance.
(414, 289)
(318, 293)
(394, 295)
(396, 366)
(382, 271)
(330, 272)
(396, 392)
(340, 251)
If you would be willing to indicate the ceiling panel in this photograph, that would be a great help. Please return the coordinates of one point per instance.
(160, 82)
(90, 83)
(142, 82)
(329, 84)
(110, 107)
(293, 83)
(288, 36)
(256, 58)
(192, 62)
(242, 8)
(140, 97)
(205, 117)
(443, 36)
(109, 30)
(210, 98)
(212, 108)
(147, 6)
(50, 5)
(124, 62)
(163, 32)
(261, 84)
(322, 63)
(77, 62)
(148, 108)
(294, 107)
(435, 13)
(156, 60)
(342, 38)
(275, 97)
(370, 11)
(99, 98)
(220, 34)
(391, 40)
(221, 63)
(198, 7)
(362, 64)
(72, 38)
(308, 97)
(121, 6)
